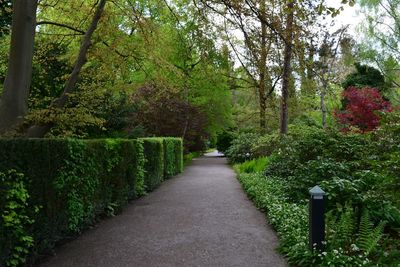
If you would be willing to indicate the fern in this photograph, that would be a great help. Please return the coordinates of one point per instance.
(346, 225)
(368, 235)
(342, 229)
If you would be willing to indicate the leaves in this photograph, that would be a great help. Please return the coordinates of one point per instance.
(15, 218)
(361, 109)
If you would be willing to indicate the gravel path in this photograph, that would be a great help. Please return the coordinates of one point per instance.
(199, 218)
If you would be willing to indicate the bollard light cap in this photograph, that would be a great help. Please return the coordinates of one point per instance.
(316, 191)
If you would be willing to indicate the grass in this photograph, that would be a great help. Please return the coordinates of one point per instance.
(253, 166)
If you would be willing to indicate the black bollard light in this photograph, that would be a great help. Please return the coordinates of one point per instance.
(317, 218)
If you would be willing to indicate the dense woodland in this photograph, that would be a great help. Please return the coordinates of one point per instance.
(289, 94)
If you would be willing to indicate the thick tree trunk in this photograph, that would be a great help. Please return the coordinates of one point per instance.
(39, 131)
(14, 101)
(263, 70)
(287, 67)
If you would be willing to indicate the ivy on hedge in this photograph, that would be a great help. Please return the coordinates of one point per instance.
(72, 183)
(15, 219)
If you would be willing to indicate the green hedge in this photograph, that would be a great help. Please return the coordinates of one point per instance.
(154, 164)
(62, 186)
(173, 156)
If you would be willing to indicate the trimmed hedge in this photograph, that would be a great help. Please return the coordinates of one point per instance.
(154, 164)
(68, 184)
(173, 157)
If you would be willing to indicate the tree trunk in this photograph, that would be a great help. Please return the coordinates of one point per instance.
(287, 67)
(323, 106)
(263, 70)
(39, 131)
(14, 101)
(186, 95)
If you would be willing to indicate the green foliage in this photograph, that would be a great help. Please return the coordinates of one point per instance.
(369, 236)
(347, 238)
(187, 158)
(165, 113)
(74, 182)
(365, 76)
(154, 164)
(16, 218)
(252, 166)
(49, 72)
(224, 141)
(380, 40)
(241, 148)
(289, 219)
(171, 52)
(5, 17)
(173, 156)
(361, 169)
(347, 243)
(267, 144)
(360, 174)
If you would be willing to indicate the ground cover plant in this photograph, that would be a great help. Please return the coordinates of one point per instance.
(360, 174)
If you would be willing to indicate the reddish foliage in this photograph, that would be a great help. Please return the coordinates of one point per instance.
(163, 113)
(361, 109)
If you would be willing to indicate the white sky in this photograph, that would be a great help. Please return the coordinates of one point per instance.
(349, 16)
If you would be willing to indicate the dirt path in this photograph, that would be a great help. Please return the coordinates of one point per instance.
(199, 218)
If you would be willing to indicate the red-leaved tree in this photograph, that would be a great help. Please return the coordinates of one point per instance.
(361, 108)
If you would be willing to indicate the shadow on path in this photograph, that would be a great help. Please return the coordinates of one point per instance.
(199, 218)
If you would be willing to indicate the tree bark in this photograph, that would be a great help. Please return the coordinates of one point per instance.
(14, 101)
(38, 131)
(263, 70)
(323, 106)
(287, 67)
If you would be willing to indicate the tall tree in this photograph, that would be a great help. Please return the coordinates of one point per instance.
(41, 130)
(257, 49)
(326, 68)
(13, 105)
(262, 67)
(287, 66)
(381, 45)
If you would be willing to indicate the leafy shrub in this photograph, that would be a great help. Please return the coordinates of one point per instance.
(241, 148)
(224, 141)
(252, 166)
(347, 237)
(360, 169)
(266, 145)
(352, 167)
(187, 158)
(361, 107)
(73, 182)
(16, 218)
(289, 219)
(365, 76)
(163, 112)
(349, 243)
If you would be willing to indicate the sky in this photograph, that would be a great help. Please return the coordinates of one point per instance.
(349, 16)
